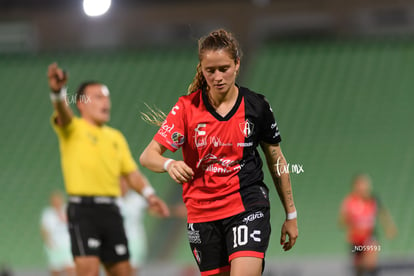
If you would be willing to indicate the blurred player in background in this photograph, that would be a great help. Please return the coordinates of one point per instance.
(133, 210)
(94, 157)
(358, 215)
(55, 234)
(219, 125)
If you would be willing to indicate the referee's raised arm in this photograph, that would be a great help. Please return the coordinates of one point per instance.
(57, 83)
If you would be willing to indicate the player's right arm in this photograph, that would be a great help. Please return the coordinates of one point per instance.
(171, 136)
(57, 80)
(152, 158)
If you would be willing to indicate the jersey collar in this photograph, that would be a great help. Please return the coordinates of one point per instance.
(213, 112)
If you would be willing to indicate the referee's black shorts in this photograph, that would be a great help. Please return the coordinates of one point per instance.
(96, 229)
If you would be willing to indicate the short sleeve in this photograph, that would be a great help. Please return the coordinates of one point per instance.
(128, 163)
(270, 131)
(172, 132)
(65, 131)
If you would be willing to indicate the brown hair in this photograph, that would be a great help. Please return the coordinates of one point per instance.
(216, 40)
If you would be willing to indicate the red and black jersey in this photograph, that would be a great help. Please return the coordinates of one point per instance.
(360, 216)
(222, 151)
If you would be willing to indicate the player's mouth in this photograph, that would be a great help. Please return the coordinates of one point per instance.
(219, 86)
(105, 110)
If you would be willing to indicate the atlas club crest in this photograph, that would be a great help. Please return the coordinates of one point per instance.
(246, 128)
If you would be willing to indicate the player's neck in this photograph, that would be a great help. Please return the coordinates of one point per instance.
(226, 98)
(92, 122)
(223, 102)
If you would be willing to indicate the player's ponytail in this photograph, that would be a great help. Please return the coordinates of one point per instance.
(198, 82)
(217, 40)
(154, 116)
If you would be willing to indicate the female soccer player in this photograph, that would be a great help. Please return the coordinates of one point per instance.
(358, 215)
(219, 125)
(55, 234)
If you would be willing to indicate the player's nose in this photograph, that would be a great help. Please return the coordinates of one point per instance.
(218, 76)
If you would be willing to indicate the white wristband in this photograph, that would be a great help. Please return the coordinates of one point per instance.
(292, 215)
(147, 191)
(167, 163)
(59, 97)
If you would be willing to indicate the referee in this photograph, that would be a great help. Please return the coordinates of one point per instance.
(94, 157)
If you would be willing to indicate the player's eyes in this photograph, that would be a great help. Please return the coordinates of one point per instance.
(221, 69)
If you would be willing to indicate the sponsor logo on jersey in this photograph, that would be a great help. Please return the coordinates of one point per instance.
(165, 129)
(212, 163)
(246, 128)
(177, 139)
(244, 145)
(200, 135)
(253, 217)
(201, 139)
(216, 142)
(274, 126)
(175, 109)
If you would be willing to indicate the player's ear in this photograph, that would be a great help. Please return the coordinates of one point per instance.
(237, 65)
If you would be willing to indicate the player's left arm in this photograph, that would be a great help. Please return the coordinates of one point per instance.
(137, 181)
(275, 160)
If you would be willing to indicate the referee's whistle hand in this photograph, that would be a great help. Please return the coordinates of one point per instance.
(57, 77)
(158, 207)
(289, 228)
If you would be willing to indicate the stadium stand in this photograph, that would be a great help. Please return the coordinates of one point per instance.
(342, 107)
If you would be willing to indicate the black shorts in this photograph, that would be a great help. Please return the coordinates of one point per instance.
(97, 230)
(214, 244)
